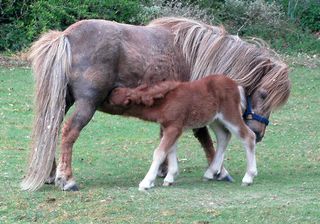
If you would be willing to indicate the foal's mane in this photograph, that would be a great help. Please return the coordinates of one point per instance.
(147, 95)
(211, 50)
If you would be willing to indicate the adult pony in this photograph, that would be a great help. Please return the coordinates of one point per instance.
(81, 64)
(177, 106)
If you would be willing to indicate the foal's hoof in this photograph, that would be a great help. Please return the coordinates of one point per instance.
(206, 179)
(145, 186)
(144, 189)
(244, 184)
(227, 178)
(167, 184)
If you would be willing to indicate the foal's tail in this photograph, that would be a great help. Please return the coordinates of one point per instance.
(51, 62)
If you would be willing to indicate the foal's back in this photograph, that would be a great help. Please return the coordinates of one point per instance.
(199, 102)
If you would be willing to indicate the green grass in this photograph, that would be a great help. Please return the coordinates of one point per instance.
(113, 154)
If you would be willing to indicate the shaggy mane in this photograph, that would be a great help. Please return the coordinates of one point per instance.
(211, 50)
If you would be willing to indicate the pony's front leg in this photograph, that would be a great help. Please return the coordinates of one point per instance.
(170, 136)
(70, 133)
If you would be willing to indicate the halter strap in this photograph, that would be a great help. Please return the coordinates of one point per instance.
(250, 115)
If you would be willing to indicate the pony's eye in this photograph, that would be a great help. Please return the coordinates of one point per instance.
(263, 94)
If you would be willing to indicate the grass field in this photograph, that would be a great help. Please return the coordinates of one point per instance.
(113, 154)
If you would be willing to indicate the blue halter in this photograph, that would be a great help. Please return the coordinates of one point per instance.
(250, 115)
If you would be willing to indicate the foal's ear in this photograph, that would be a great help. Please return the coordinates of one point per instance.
(126, 102)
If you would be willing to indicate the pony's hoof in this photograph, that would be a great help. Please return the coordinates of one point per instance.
(227, 178)
(167, 184)
(70, 186)
(65, 185)
(50, 180)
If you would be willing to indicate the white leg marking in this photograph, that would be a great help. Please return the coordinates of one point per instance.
(148, 181)
(172, 166)
(223, 137)
(249, 145)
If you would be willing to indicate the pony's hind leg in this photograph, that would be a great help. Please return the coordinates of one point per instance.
(52, 176)
(70, 132)
(170, 136)
(216, 169)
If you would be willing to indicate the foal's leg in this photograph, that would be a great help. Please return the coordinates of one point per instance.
(237, 127)
(250, 146)
(71, 130)
(170, 136)
(216, 168)
(163, 169)
(172, 166)
(203, 136)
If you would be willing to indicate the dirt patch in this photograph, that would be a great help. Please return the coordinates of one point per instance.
(13, 61)
(302, 59)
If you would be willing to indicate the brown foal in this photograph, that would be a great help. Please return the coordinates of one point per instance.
(215, 101)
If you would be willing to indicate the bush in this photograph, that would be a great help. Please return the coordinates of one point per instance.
(25, 20)
(285, 24)
(157, 8)
(267, 20)
(306, 13)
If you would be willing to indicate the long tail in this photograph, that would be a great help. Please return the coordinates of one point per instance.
(51, 62)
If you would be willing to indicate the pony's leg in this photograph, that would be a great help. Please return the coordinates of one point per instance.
(172, 166)
(170, 136)
(216, 168)
(70, 132)
(52, 176)
(203, 136)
